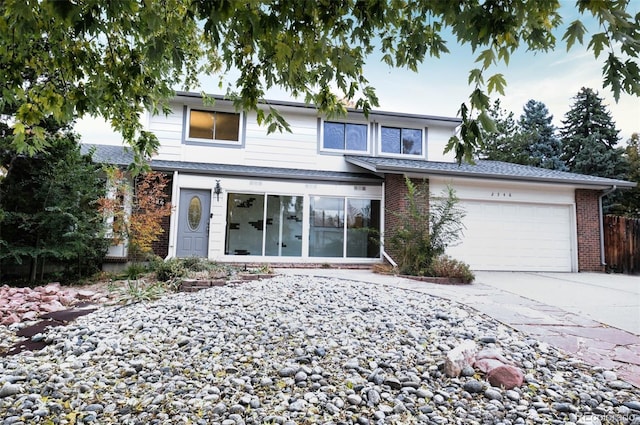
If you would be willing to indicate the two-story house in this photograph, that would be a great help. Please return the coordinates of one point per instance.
(323, 192)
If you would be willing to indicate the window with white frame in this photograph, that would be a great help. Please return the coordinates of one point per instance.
(401, 141)
(213, 126)
(339, 136)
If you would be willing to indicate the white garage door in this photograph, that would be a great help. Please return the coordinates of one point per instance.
(516, 237)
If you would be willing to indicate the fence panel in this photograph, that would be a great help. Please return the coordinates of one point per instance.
(622, 244)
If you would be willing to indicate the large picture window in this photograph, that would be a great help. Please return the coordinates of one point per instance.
(344, 136)
(272, 225)
(331, 235)
(253, 229)
(401, 141)
(213, 125)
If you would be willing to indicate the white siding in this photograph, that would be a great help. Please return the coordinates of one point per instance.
(437, 139)
(298, 149)
(239, 185)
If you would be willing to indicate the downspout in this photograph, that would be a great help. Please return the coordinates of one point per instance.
(389, 259)
(601, 213)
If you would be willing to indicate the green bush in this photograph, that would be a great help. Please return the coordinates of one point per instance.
(168, 270)
(445, 266)
(429, 226)
(134, 271)
(195, 264)
(138, 290)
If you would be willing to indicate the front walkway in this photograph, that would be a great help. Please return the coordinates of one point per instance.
(591, 341)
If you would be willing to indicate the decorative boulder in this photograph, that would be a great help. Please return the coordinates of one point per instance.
(460, 357)
(500, 372)
(507, 376)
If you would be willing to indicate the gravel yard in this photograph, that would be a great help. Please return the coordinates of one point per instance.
(296, 350)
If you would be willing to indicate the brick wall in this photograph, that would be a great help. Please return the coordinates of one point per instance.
(588, 226)
(395, 194)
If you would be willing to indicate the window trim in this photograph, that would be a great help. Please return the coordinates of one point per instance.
(324, 150)
(212, 142)
(402, 126)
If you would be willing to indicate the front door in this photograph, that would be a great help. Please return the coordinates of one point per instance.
(193, 223)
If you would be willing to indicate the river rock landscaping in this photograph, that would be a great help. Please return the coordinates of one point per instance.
(297, 350)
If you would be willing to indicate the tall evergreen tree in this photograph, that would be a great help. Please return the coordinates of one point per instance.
(589, 138)
(629, 203)
(503, 144)
(48, 210)
(543, 148)
(530, 141)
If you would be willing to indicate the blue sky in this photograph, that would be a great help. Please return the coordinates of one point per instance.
(554, 78)
(441, 84)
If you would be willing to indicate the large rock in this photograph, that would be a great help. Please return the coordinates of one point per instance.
(460, 357)
(506, 376)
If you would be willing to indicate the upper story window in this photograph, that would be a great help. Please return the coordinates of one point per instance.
(401, 141)
(213, 125)
(345, 137)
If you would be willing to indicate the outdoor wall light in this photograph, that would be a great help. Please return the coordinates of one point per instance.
(217, 190)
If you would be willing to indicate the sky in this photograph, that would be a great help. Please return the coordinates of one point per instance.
(441, 84)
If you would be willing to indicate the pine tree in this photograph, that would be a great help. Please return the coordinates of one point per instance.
(629, 203)
(48, 213)
(543, 148)
(504, 144)
(589, 138)
(530, 141)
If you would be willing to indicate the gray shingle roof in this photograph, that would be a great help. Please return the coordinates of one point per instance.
(448, 121)
(482, 169)
(119, 155)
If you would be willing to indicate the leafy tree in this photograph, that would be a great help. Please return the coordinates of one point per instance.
(589, 138)
(48, 214)
(136, 213)
(64, 58)
(543, 148)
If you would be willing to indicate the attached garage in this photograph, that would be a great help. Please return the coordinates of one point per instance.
(516, 236)
(514, 226)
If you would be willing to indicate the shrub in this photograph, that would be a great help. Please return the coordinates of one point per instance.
(138, 290)
(168, 270)
(195, 264)
(428, 228)
(134, 271)
(445, 266)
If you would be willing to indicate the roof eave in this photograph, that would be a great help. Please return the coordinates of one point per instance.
(601, 185)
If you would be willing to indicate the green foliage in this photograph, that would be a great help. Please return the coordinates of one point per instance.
(139, 290)
(628, 203)
(589, 138)
(530, 141)
(48, 208)
(63, 59)
(427, 228)
(176, 268)
(134, 271)
(169, 270)
(445, 266)
(542, 147)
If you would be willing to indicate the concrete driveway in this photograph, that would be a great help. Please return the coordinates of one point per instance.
(611, 299)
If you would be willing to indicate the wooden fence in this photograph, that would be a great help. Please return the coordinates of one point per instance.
(622, 244)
